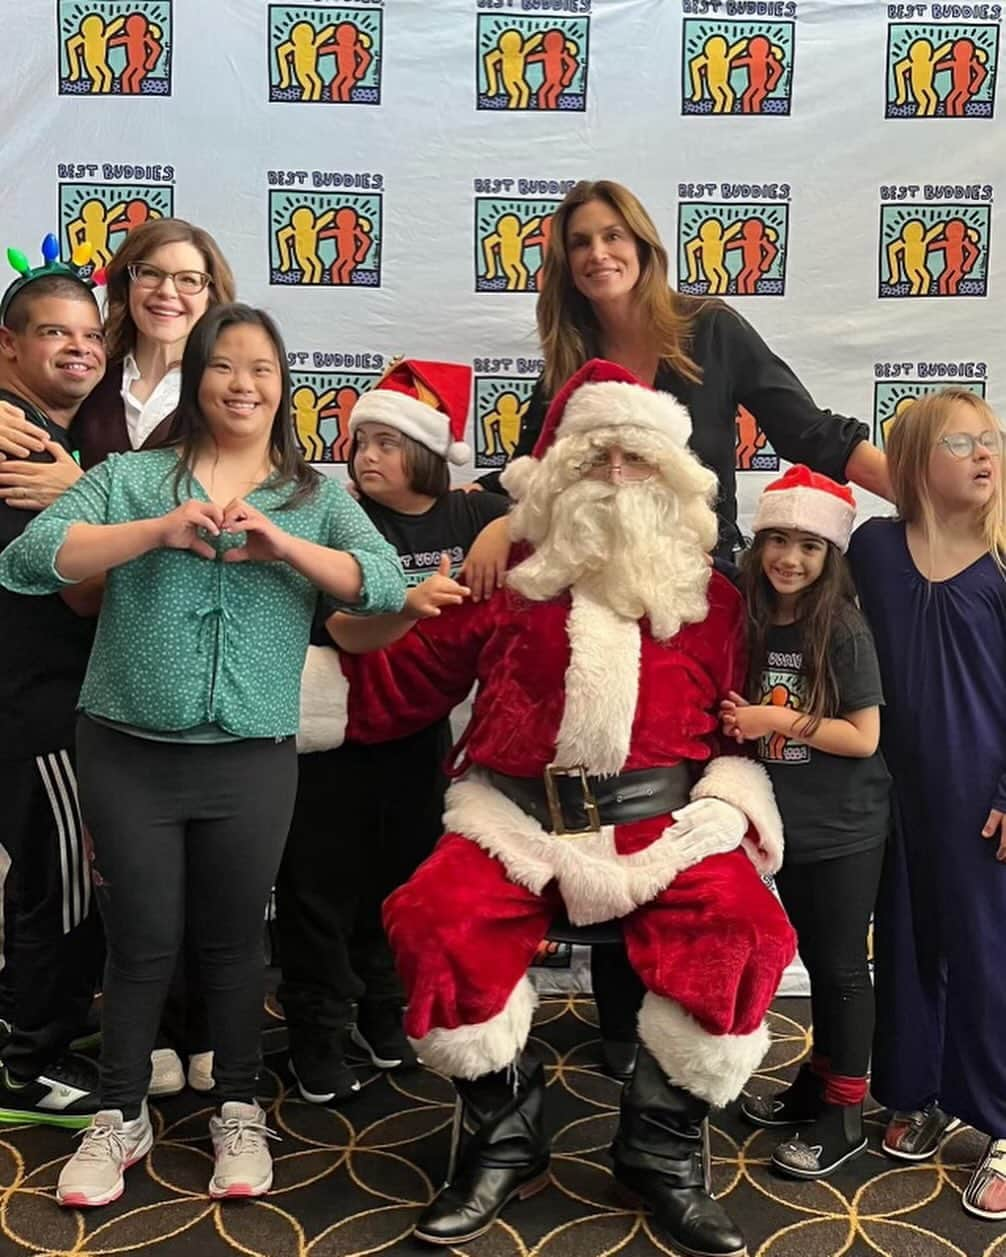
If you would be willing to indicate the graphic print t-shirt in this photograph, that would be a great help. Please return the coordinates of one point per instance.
(451, 524)
(831, 805)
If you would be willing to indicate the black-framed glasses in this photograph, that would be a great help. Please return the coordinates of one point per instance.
(962, 444)
(188, 283)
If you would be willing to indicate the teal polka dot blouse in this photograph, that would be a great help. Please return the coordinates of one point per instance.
(184, 641)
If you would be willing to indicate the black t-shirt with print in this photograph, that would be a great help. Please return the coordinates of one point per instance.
(43, 644)
(451, 524)
(831, 805)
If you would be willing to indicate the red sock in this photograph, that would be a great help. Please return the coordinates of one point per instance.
(820, 1065)
(839, 1089)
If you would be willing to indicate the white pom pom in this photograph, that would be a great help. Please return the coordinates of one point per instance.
(516, 476)
(459, 452)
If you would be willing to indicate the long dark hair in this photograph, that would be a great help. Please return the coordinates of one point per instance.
(188, 428)
(820, 610)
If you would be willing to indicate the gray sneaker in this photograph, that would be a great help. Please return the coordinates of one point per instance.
(109, 1146)
(243, 1163)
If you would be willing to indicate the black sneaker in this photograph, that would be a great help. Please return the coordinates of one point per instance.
(66, 1094)
(319, 1067)
(802, 1101)
(378, 1032)
(917, 1135)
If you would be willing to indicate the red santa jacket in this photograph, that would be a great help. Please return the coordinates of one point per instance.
(566, 681)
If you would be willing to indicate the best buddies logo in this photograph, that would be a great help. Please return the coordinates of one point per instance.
(114, 47)
(325, 54)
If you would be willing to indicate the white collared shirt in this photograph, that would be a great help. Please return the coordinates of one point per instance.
(143, 417)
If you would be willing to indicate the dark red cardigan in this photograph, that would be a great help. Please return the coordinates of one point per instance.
(99, 426)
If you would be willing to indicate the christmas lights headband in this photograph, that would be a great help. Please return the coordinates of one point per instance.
(27, 274)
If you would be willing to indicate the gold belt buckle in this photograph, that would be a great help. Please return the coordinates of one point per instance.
(555, 806)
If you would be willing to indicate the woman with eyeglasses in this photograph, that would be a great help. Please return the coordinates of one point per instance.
(162, 279)
(932, 584)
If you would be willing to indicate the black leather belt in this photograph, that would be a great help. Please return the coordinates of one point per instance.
(569, 803)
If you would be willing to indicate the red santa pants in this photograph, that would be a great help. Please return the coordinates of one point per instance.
(710, 948)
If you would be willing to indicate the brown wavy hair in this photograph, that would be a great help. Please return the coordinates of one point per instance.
(120, 330)
(909, 446)
(567, 326)
(821, 611)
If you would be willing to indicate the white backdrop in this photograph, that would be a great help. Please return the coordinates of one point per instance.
(380, 175)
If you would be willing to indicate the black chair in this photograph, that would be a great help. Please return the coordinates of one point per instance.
(617, 990)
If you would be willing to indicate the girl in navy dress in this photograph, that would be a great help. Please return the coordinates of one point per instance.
(932, 585)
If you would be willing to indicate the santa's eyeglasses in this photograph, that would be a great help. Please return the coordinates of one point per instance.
(606, 463)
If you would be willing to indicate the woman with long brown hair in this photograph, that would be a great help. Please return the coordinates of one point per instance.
(605, 293)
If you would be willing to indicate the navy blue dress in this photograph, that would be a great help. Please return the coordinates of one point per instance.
(940, 927)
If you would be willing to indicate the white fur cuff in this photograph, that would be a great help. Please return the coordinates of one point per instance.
(713, 1067)
(746, 785)
(324, 701)
(471, 1051)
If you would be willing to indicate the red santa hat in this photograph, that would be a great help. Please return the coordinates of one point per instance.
(602, 394)
(427, 401)
(805, 500)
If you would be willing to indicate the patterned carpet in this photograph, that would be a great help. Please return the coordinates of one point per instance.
(350, 1182)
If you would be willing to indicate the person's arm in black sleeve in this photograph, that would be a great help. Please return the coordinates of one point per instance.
(530, 426)
(799, 430)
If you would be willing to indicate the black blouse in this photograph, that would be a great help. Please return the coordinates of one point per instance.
(738, 369)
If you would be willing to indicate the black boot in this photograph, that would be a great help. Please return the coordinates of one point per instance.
(658, 1154)
(802, 1101)
(835, 1138)
(507, 1156)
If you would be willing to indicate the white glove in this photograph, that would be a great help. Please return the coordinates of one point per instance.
(710, 827)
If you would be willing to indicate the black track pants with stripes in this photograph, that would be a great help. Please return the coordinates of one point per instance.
(50, 933)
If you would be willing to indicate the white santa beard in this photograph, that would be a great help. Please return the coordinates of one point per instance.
(634, 547)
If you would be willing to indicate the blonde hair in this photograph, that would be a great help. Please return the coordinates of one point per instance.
(120, 330)
(567, 326)
(910, 444)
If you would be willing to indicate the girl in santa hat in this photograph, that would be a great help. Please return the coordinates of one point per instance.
(367, 816)
(932, 586)
(815, 696)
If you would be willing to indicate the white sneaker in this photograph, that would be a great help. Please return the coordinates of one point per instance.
(93, 1175)
(167, 1077)
(201, 1071)
(243, 1163)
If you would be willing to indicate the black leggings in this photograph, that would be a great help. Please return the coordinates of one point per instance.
(182, 830)
(830, 903)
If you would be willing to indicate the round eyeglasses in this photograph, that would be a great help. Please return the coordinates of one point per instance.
(962, 444)
(187, 283)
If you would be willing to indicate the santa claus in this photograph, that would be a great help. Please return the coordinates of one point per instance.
(591, 780)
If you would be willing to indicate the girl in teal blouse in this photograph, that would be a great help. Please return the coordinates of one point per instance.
(214, 549)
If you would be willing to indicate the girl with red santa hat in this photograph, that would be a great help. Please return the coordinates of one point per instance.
(814, 710)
